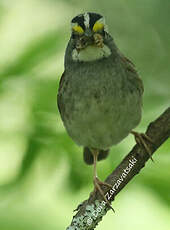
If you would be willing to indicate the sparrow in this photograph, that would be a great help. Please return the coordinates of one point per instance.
(100, 92)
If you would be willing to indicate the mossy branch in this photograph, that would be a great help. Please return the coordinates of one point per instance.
(90, 212)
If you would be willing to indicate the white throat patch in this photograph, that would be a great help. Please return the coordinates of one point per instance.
(91, 53)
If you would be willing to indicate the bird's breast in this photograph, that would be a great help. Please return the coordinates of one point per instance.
(99, 107)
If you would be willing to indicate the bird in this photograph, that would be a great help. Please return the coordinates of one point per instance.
(100, 92)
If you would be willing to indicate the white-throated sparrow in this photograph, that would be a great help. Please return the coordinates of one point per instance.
(100, 92)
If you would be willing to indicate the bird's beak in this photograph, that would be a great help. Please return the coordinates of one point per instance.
(89, 38)
(88, 33)
(85, 40)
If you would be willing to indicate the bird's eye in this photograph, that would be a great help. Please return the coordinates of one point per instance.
(78, 29)
(98, 27)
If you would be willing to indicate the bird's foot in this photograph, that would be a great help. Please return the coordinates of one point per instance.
(97, 187)
(141, 139)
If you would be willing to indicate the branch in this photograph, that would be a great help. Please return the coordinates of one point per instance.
(90, 212)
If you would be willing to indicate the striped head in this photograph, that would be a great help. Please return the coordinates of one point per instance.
(88, 34)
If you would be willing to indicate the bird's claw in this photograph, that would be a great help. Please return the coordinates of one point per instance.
(140, 139)
(97, 187)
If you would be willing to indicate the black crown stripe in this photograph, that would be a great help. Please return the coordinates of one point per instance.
(80, 20)
(93, 18)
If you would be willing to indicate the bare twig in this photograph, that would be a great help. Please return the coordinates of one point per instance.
(91, 211)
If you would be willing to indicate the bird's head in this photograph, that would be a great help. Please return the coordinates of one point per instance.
(88, 32)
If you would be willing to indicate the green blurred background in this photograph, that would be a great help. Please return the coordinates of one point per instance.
(42, 174)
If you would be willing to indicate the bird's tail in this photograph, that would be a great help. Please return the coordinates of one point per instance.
(88, 156)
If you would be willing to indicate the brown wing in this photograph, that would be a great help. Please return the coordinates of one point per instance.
(132, 73)
(59, 103)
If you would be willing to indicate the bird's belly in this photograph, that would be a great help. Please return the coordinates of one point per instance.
(101, 118)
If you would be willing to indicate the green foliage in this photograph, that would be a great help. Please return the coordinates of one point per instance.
(42, 173)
